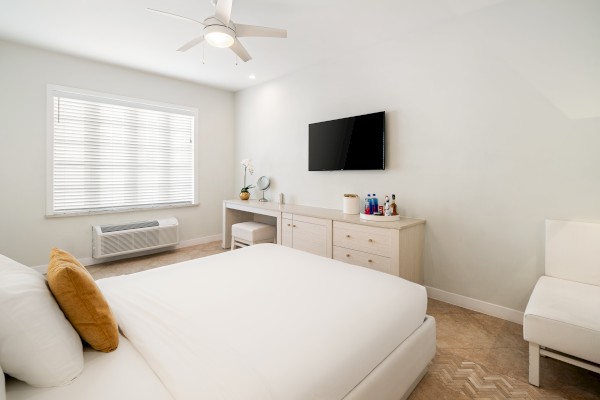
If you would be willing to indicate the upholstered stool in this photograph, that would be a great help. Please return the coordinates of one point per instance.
(249, 233)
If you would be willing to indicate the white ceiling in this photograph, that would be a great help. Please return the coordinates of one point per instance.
(125, 33)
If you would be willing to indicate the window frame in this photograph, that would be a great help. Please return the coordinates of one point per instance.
(53, 90)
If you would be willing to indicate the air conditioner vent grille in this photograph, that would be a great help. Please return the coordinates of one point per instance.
(126, 227)
(135, 237)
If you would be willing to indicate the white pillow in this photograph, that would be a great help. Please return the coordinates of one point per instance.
(38, 345)
(2, 388)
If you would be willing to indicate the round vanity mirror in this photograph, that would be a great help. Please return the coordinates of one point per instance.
(263, 184)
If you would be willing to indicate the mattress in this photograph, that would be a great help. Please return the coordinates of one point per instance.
(120, 375)
(264, 322)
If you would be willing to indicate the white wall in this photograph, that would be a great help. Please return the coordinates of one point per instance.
(493, 125)
(25, 233)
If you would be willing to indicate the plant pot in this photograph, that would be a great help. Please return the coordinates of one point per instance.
(244, 195)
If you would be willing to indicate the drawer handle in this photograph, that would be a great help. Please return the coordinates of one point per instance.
(370, 261)
(347, 255)
(293, 226)
(289, 224)
(347, 236)
(370, 240)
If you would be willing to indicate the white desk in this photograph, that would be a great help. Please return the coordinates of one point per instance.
(394, 247)
(235, 211)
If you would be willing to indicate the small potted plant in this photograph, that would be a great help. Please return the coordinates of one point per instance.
(248, 167)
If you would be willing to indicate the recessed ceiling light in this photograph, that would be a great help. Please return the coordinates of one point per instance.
(252, 76)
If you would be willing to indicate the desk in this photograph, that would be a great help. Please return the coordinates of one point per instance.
(235, 211)
(395, 247)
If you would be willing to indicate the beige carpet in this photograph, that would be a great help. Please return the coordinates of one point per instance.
(478, 356)
(131, 265)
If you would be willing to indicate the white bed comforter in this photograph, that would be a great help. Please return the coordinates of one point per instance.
(264, 322)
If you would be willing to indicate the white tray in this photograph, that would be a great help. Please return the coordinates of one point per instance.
(380, 218)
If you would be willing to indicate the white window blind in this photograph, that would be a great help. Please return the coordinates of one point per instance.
(110, 154)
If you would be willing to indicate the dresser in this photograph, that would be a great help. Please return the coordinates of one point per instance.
(391, 247)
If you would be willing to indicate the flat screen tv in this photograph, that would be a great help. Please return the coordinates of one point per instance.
(353, 143)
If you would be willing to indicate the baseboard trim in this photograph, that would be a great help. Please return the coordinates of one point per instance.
(469, 303)
(87, 261)
(202, 240)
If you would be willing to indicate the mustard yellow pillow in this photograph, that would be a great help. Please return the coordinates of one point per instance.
(82, 301)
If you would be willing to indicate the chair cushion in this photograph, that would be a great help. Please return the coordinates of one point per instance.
(564, 315)
(253, 231)
(572, 251)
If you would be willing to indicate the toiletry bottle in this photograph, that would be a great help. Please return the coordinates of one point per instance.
(375, 208)
(393, 205)
(387, 209)
(368, 205)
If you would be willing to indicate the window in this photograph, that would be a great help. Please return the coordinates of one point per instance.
(109, 153)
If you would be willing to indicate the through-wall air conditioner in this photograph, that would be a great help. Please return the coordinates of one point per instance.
(114, 240)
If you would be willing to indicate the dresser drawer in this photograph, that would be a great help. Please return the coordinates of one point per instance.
(363, 259)
(363, 238)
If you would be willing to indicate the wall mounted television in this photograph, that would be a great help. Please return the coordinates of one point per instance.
(353, 143)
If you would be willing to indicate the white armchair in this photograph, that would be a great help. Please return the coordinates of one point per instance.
(562, 318)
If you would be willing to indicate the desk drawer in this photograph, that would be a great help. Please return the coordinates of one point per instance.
(363, 238)
(363, 259)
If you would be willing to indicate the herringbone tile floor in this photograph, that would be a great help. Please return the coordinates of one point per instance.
(482, 357)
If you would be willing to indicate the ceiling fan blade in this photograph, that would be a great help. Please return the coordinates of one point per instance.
(174, 16)
(223, 12)
(242, 30)
(241, 52)
(191, 43)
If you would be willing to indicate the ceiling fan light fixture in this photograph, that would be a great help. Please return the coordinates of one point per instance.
(220, 31)
(219, 36)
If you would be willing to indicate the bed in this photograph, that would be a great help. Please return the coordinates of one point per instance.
(262, 322)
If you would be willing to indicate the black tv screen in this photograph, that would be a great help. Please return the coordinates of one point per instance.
(354, 143)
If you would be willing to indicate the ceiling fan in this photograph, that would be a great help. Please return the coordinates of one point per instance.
(220, 31)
